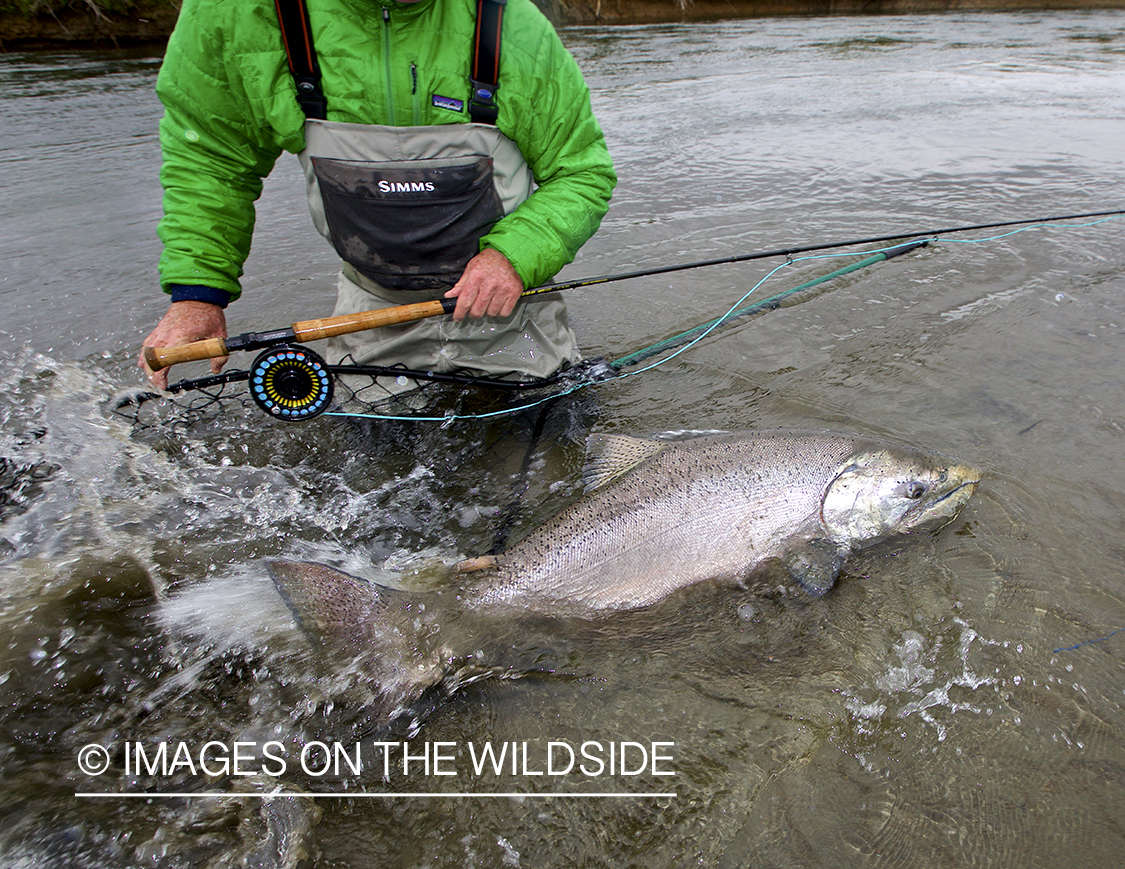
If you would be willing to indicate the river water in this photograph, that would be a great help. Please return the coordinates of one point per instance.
(956, 700)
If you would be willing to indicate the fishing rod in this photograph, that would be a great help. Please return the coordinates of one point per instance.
(809, 248)
(313, 330)
(290, 381)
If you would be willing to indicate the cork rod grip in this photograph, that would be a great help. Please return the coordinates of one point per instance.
(328, 327)
(307, 330)
(163, 357)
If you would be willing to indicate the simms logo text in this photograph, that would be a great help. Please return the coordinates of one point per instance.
(406, 186)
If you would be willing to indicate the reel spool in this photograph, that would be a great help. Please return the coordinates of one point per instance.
(290, 382)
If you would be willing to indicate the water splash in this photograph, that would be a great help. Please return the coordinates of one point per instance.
(922, 685)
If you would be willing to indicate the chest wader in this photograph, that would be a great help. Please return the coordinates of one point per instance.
(406, 207)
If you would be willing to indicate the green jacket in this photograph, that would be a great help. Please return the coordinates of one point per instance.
(231, 109)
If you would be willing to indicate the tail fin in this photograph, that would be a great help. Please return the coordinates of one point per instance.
(384, 632)
(333, 609)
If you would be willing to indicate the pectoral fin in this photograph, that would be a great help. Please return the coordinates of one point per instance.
(483, 562)
(814, 563)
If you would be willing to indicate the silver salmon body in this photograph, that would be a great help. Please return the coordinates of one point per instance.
(660, 515)
(657, 516)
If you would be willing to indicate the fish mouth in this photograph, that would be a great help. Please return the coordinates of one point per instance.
(965, 477)
(960, 483)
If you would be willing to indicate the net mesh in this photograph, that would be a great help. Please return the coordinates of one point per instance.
(374, 392)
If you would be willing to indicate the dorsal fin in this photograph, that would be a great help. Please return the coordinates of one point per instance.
(610, 456)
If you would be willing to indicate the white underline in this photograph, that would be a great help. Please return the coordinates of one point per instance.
(363, 794)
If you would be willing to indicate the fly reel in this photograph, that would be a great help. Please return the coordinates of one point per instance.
(290, 382)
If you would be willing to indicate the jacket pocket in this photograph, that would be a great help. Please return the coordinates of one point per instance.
(410, 225)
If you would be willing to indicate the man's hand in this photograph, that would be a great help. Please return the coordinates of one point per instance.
(489, 286)
(185, 322)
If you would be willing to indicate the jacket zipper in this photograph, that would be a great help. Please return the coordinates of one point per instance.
(387, 65)
(414, 99)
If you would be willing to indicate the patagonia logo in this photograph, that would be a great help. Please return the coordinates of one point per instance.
(453, 105)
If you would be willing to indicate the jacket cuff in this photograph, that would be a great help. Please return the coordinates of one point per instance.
(199, 293)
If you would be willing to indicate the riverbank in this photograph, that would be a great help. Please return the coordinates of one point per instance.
(56, 24)
(61, 24)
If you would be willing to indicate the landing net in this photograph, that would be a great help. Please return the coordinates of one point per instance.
(377, 392)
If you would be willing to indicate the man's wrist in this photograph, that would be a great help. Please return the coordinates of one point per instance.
(199, 293)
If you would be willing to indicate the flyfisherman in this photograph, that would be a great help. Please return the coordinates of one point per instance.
(441, 159)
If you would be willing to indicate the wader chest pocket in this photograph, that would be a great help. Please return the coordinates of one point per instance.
(410, 225)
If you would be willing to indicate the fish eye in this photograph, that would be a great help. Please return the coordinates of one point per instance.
(915, 490)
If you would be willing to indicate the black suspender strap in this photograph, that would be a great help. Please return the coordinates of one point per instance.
(486, 61)
(297, 36)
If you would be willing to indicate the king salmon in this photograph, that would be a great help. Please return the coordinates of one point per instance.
(656, 516)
